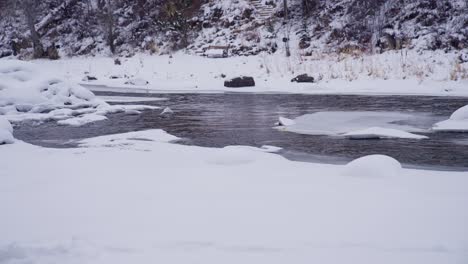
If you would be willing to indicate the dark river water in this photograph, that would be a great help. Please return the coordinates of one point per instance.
(218, 120)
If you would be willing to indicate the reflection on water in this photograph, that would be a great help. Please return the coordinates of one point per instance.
(218, 120)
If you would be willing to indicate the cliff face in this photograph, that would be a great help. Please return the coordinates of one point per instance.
(83, 27)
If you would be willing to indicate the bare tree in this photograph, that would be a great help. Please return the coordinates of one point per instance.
(286, 23)
(108, 20)
(30, 13)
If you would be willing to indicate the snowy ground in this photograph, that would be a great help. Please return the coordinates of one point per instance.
(429, 73)
(138, 198)
(135, 198)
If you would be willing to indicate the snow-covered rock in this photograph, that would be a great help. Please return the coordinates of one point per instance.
(27, 88)
(381, 133)
(82, 120)
(373, 166)
(6, 132)
(28, 92)
(458, 121)
(283, 121)
(167, 111)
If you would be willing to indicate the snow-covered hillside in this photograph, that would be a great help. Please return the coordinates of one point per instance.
(79, 27)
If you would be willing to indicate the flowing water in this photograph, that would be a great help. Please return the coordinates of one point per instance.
(218, 120)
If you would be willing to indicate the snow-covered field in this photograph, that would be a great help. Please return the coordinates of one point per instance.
(135, 198)
(428, 73)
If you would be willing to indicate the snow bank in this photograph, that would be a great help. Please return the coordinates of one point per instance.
(354, 124)
(373, 166)
(25, 84)
(458, 122)
(129, 139)
(133, 198)
(6, 132)
(381, 133)
(384, 73)
(82, 120)
(28, 92)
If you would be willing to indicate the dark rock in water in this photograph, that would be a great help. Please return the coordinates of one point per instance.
(303, 78)
(117, 62)
(238, 82)
(89, 78)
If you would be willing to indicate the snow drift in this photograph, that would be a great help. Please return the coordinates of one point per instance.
(27, 92)
(458, 121)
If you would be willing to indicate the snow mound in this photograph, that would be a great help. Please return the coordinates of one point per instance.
(6, 132)
(381, 133)
(82, 120)
(339, 123)
(27, 92)
(458, 122)
(373, 166)
(24, 84)
(129, 139)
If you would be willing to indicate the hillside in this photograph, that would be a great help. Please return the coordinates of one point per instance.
(92, 27)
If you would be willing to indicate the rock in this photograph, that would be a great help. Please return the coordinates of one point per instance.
(463, 58)
(52, 52)
(238, 82)
(303, 78)
(117, 62)
(23, 108)
(88, 78)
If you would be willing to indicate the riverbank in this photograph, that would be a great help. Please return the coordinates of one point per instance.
(138, 198)
(391, 73)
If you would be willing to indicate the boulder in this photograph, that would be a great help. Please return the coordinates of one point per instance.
(303, 78)
(89, 78)
(238, 82)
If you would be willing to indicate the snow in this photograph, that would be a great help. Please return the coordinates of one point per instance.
(283, 121)
(388, 73)
(137, 82)
(381, 133)
(358, 123)
(82, 120)
(135, 198)
(214, 53)
(130, 99)
(167, 111)
(6, 132)
(33, 92)
(374, 166)
(458, 122)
